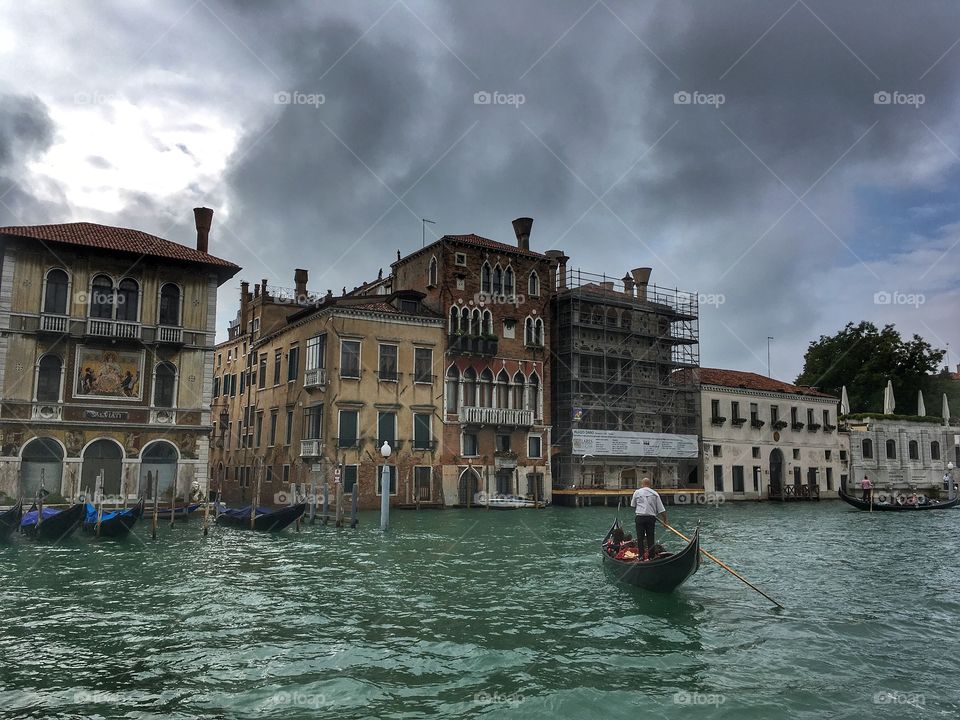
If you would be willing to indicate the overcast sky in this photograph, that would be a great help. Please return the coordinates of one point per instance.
(739, 148)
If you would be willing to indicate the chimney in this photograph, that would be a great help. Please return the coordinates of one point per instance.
(244, 304)
(300, 283)
(204, 218)
(641, 276)
(263, 289)
(522, 227)
(558, 266)
(628, 285)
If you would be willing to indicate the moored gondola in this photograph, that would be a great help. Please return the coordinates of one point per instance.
(10, 519)
(53, 524)
(662, 575)
(888, 506)
(264, 520)
(180, 512)
(115, 523)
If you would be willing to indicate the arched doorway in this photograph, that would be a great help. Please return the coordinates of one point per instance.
(102, 456)
(41, 465)
(468, 487)
(776, 472)
(158, 469)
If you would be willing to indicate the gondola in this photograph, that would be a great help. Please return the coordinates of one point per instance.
(895, 507)
(10, 519)
(55, 524)
(181, 512)
(265, 520)
(662, 576)
(113, 524)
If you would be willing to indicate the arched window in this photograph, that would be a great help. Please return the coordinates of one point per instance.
(477, 322)
(469, 387)
(49, 375)
(533, 284)
(538, 331)
(101, 297)
(517, 391)
(465, 325)
(165, 385)
(454, 320)
(170, 305)
(509, 283)
(55, 292)
(485, 277)
(487, 322)
(503, 389)
(934, 450)
(497, 280)
(528, 336)
(891, 449)
(533, 395)
(432, 272)
(128, 300)
(486, 388)
(913, 448)
(867, 448)
(453, 388)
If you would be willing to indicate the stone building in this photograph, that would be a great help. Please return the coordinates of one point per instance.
(311, 395)
(495, 419)
(767, 439)
(106, 363)
(621, 411)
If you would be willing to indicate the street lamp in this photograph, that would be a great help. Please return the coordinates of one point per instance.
(385, 451)
(948, 480)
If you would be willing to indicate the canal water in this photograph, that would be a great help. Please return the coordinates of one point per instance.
(492, 614)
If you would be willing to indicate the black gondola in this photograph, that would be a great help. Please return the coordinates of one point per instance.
(55, 524)
(888, 506)
(10, 519)
(114, 523)
(264, 521)
(663, 575)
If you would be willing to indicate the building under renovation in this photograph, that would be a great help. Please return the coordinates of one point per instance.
(620, 410)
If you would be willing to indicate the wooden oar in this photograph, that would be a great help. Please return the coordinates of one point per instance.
(726, 567)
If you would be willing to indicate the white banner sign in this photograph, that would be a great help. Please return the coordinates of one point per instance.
(634, 444)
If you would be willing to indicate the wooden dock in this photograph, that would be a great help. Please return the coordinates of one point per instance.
(585, 496)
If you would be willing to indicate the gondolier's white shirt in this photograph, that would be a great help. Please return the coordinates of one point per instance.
(647, 501)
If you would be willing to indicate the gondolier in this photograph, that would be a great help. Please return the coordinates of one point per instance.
(867, 488)
(649, 507)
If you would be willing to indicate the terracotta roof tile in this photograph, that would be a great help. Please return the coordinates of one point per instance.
(753, 381)
(106, 237)
(480, 241)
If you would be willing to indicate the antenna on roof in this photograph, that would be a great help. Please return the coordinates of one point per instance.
(423, 231)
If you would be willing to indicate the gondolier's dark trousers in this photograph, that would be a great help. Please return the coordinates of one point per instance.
(646, 524)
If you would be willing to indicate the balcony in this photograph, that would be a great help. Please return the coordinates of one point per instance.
(46, 411)
(54, 323)
(113, 329)
(169, 334)
(738, 422)
(756, 423)
(717, 420)
(474, 344)
(813, 427)
(311, 448)
(496, 416)
(315, 377)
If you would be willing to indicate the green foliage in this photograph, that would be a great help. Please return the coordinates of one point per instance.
(864, 358)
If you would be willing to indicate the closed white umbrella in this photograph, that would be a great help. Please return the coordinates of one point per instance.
(921, 410)
(945, 411)
(844, 401)
(889, 404)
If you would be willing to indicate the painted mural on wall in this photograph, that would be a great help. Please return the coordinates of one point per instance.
(107, 373)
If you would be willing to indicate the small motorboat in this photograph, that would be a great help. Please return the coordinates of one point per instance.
(115, 523)
(891, 503)
(51, 523)
(261, 519)
(10, 519)
(505, 502)
(662, 575)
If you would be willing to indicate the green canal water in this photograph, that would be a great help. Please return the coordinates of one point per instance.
(458, 614)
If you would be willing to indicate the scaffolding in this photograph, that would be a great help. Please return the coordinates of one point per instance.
(618, 345)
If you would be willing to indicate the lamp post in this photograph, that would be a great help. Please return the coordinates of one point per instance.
(948, 479)
(385, 451)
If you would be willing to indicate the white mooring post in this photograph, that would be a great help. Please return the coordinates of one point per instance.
(385, 451)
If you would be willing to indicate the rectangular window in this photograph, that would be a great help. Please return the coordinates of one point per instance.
(827, 454)
(756, 452)
(392, 470)
(734, 410)
(286, 473)
(460, 259)
(229, 434)
(386, 429)
(350, 358)
(423, 365)
(269, 477)
(796, 453)
(826, 418)
(829, 478)
(738, 478)
(388, 363)
(774, 414)
(293, 363)
(470, 445)
(274, 414)
(422, 435)
(243, 381)
(349, 424)
(754, 413)
(259, 429)
(716, 451)
(316, 352)
(811, 476)
(718, 478)
(423, 482)
(349, 478)
(277, 358)
(262, 381)
(714, 408)
(220, 359)
(312, 422)
(288, 428)
(810, 420)
(794, 416)
(503, 443)
(534, 446)
(216, 387)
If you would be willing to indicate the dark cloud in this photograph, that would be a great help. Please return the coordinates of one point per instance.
(101, 163)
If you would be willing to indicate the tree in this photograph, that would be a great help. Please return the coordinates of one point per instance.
(863, 358)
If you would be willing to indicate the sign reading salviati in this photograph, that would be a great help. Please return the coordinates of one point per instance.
(616, 443)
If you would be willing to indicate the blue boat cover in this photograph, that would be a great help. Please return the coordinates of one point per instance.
(30, 518)
(90, 514)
